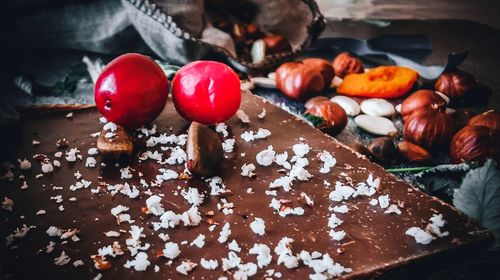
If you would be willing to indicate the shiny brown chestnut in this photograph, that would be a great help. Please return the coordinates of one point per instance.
(489, 119)
(455, 83)
(429, 128)
(301, 80)
(345, 64)
(475, 144)
(383, 150)
(333, 117)
(422, 99)
(413, 152)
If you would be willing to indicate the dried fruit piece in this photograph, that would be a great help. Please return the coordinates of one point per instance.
(380, 82)
(413, 152)
(116, 147)
(204, 150)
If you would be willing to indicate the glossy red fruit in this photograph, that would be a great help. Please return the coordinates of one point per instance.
(207, 92)
(131, 91)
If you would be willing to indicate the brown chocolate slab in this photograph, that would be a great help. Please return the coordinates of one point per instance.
(375, 241)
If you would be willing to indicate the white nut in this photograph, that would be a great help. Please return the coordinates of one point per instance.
(336, 81)
(376, 125)
(350, 106)
(377, 107)
(264, 82)
(272, 75)
(446, 98)
(258, 51)
(398, 108)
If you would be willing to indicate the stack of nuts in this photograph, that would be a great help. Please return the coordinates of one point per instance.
(478, 140)
(251, 43)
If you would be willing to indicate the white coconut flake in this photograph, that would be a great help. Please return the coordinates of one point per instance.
(199, 241)
(192, 196)
(24, 164)
(341, 209)
(262, 114)
(140, 263)
(228, 145)
(263, 253)
(244, 118)
(47, 167)
(209, 264)
(185, 267)
(247, 170)
(93, 151)
(334, 221)
(258, 226)
(337, 235)
(224, 233)
(171, 250)
(383, 201)
(191, 217)
(328, 161)
(222, 128)
(233, 246)
(393, 208)
(420, 235)
(63, 259)
(90, 162)
(266, 157)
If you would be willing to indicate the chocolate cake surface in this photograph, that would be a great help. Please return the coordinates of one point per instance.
(349, 220)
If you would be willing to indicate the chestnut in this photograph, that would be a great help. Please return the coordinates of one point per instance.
(429, 128)
(423, 98)
(475, 144)
(455, 83)
(383, 150)
(489, 119)
(276, 44)
(312, 102)
(345, 64)
(413, 152)
(333, 117)
(301, 80)
(204, 150)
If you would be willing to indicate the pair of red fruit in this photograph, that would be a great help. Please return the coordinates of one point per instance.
(132, 91)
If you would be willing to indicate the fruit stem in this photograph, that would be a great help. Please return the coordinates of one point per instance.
(409, 169)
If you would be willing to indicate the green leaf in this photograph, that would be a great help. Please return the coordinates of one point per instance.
(315, 121)
(479, 196)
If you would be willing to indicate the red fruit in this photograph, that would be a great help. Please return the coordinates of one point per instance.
(131, 91)
(207, 92)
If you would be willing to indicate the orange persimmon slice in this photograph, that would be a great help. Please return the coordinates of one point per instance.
(380, 82)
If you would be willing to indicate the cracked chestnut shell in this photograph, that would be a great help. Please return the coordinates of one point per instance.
(334, 118)
(422, 99)
(489, 119)
(475, 144)
(429, 128)
(301, 80)
(455, 83)
(345, 64)
(204, 150)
